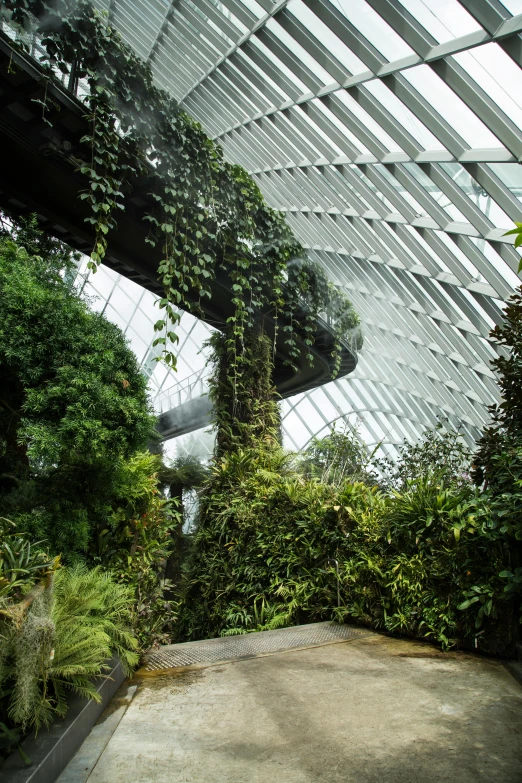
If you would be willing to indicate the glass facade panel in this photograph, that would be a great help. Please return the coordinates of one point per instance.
(513, 6)
(451, 107)
(375, 29)
(326, 36)
(407, 119)
(390, 132)
(496, 73)
(443, 19)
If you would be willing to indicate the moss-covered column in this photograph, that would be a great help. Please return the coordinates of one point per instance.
(243, 395)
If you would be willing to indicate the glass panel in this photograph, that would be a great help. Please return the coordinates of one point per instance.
(263, 75)
(497, 261)
(459, 255)
(341, 128)
(298, 50)
(369, 184)
(296, 430)
(477, 195)
(122, 303)
(254, 8)
(403, 115)
(444, 19)
(435, 192)
(375, 29)
(513, 6)
(278, 64)
(345, 184)
(103, 281)
(326, 36)
(428, 249)
(369, 123)
(498, 75)
(511, 175)
(316, 129)
(483, 316)
(399, 187)
(138, 345)
(227, 13)
(451, 107)
(114, 316)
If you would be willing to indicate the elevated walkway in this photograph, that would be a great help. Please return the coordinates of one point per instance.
(40, 173)
(183, 407)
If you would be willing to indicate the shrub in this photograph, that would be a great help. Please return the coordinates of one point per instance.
(74, 404)
(440, 450)
(264, 550)
(75, 622)
(275, 547)
(134, 541)
(337, 457)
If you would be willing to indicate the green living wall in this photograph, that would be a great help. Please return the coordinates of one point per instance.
(415, 548)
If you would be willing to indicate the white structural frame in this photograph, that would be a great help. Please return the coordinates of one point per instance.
(390, 133)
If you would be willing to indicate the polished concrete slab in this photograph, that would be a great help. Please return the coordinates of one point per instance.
(368, 710)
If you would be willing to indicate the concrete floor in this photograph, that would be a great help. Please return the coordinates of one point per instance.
(371, 710)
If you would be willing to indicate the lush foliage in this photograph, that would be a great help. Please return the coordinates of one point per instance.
(68, 628)
(21, 561)
(73, 406)
(441, 449)
(185, 474)
(73, 413)
(407, 547)
(244, 403)
(498, 461)
(135, 542)
(415, 562)
(339, 456)
(207, 216)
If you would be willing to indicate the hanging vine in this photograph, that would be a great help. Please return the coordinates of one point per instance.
(207, 215)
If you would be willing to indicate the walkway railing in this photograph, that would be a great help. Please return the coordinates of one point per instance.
(189, 388)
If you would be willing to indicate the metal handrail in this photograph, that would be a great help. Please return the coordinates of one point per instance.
(181, 391)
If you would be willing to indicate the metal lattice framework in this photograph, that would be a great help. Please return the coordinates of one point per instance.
(390, 132)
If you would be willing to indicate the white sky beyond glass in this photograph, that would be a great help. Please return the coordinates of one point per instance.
(401, 187)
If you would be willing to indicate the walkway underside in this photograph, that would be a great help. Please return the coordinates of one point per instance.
(358, 708)
(41, 174)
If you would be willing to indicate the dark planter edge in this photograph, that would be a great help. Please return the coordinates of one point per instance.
(51, 749)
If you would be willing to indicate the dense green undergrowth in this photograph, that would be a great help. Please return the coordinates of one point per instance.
(413, 547)
(85, 529)
(417, 561)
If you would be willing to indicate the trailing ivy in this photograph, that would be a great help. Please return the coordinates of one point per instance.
(311, 294)
(208, 214)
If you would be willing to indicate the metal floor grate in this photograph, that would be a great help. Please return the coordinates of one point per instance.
(249, 645)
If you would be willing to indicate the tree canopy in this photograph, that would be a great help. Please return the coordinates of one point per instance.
(73, 402)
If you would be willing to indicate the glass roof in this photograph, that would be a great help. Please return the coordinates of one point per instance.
(390, 132)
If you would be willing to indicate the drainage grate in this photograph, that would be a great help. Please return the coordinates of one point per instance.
(249, 645)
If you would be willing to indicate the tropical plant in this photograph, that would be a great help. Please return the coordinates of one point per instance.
(418, 560)
(186, 473)
(245, 409)
(338, 456)
(76, 622)
(21, 562)
(135, 541)
(73, 405)
(441, 449)
(498, 461)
